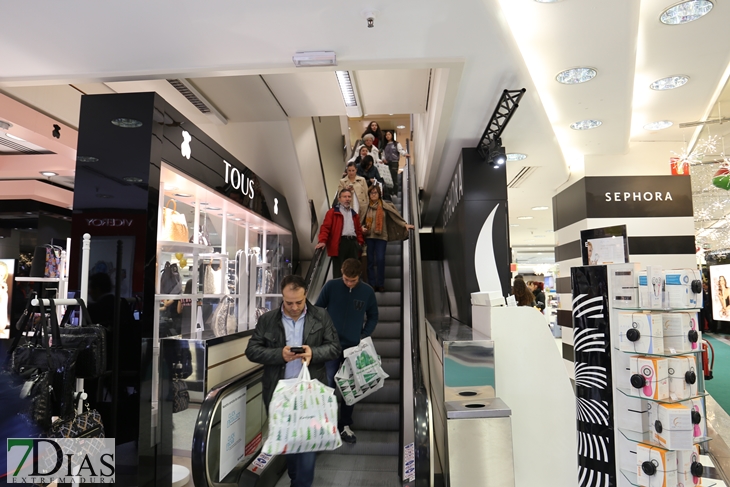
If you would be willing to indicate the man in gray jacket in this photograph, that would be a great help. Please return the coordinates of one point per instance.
(298, 323)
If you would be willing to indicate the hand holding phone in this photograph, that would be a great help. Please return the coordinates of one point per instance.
(297, 350)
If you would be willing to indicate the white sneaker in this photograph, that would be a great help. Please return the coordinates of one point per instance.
(347, 435)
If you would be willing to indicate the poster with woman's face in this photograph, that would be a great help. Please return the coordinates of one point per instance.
(720, 291)
(7, 268)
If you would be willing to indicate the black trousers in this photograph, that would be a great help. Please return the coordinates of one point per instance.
(349, 249)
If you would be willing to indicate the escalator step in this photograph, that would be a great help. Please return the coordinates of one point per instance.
(393, 260)
(388, 394)
(387, 329)
(389, 313)
(388, 299)
(365, 463)
(393, 271)
(371, 443)
(393, 249)
(391, 366)
(392, 284)
(387, 347)
(376, 417)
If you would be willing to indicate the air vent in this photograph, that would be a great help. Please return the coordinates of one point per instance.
(521, 176)
(8, 146)
(198, 100)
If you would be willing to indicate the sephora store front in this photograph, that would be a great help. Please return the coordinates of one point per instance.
(194, 245)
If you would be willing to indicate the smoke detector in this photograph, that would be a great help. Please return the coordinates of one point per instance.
(5, 125)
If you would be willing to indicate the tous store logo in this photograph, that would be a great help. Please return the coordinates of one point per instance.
(241, 183)
(185, 147)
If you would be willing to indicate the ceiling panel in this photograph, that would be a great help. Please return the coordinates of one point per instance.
(241, 98)
(312, 94)
(61, 102)
(393, 91)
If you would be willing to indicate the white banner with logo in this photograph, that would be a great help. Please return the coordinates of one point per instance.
(233, 431)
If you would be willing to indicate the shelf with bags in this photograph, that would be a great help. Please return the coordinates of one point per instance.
(668, 354)
(645, 437)
(633, 393)
(40, 279)
(182, 247)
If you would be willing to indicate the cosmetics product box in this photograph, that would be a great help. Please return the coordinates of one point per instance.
(672, 427)
(681, 332)
(655, 286)
(682, 376)
(689, 467)
(684, 288)
(649, 377)
(624, 285)
(656, 467)
(641, 332)
(699, 422)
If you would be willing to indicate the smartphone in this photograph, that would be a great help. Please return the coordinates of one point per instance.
(297, 350)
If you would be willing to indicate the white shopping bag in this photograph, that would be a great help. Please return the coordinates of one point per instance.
(357, 383)
(302, 417)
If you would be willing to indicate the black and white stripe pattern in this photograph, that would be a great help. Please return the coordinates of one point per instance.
(591, 376)
(593, 446)
(592, 411)
(589, 340)
(587, 477)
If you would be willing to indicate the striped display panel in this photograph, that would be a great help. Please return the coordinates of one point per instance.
(591, 351)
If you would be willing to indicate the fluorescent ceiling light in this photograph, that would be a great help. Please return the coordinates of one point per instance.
(516, 156)
(49, 173)
(348, 92)
(539, 208)
(669, 83)
(659, 125)
(181, 195)
(132, 179)
(685, 12)
(524, 218)
(14, 137)
(314, 58)
(576, 75)
(127, 123)
(586, 124)
(400, 127)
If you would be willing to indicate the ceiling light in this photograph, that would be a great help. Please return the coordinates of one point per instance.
(495, 166)
(237, 219)
(524, 218)
(132, 179)
(5, 125)
(49, 173)
(127, 123)
(213, 208)
(86, 159)
(103, 195)
(669, 83)
(685, 12)
(658, 125)
(516, 156)
(255, 228)
(574, 76)
(229, 214)
(400, 127)
(183, 195)
(11, 136)
(586, 124)
(203, 203)
(314, 58)
(540, 208)
(348, 92)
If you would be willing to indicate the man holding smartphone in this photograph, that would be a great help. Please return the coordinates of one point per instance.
(283, 340)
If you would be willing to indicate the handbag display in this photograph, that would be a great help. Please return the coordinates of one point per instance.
(224, 319)
(89, 340)
(203, 237)
(174, 224)
(85, 425)
(180, 395)
(34, 387)
(170, 280)
(46, 262)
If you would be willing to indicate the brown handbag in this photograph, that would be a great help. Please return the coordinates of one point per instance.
(174, 224)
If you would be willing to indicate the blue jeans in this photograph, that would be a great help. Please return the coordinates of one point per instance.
(376, 257)
(345, 418)
(301, 468)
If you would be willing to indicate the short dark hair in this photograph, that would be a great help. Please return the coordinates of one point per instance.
(295, 282)
(345, 190)
(365, 160)
(101, 282)
(520, 277)
(351, 268)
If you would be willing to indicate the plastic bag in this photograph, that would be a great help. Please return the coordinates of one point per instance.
(371, 376)
(302, 417)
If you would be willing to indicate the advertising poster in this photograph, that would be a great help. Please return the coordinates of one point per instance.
(233, 431)
(608, 245)
(7, 268)
(720, 291)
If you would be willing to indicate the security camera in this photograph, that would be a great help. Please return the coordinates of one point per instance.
(370, 17)
(371, 22)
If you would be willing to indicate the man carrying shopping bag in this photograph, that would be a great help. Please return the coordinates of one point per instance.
(354, 311)
(297, 324)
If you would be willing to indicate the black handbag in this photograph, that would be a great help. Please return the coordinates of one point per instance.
(170, 280)
(46, 354)
(180, 395)
(89, 340)
(88, 424)
(34, 388)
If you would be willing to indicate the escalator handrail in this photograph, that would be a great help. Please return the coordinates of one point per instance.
(314, 266)
(199, 455)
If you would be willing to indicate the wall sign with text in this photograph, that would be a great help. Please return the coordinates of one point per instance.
(638, 196)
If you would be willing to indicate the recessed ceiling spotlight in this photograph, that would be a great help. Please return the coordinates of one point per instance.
(685, 12)
(516, 156)
(132, 179)
(524, 218)
(237, 219)
(229, 214)
(400, 127)
(213, 208)
(49, 173)
(183, 195)
(203, 203)
(658, 125)
(28, 212)
(104, 195)
(87, 159)
(669, 83)
(574, 76)
(14, 137)
(540, 208)
(586, 124)
(255, 228)
(170, 187)
(127, 123)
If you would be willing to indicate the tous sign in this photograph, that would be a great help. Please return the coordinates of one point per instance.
(108, 222)
(242, 183)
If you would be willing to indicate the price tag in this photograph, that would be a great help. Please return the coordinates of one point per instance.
(673, 396)
(672, 350)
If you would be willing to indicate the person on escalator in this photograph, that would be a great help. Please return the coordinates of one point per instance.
(350, 303)
(374, 130)
(368, 171)
(392, 151)
(368, 143)
(341, 233)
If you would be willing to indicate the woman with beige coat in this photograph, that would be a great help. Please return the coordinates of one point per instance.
(357, 185)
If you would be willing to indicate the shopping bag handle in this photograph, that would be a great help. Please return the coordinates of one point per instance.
(304, 373)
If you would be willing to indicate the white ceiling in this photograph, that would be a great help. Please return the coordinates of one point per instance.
(230, 48)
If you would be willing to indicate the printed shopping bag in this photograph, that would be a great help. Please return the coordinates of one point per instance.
(351, 393)
(302, 417)
(365, 364)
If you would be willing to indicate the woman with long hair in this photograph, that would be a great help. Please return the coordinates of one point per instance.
(381, 223)
(374, 129)
(392, 151)
(368, 171)
(357, 185)
(723, 295)
(536, 287)
(522, 294)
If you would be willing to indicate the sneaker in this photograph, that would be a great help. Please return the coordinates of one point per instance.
(348, 436)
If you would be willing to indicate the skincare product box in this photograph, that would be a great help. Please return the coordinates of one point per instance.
(697, 414)
(623, 279)
(656, 467)
(684, 288)
(655, 286)
(672, 427)
(682, 377)
(689, 468)
(681, 332)
(649, 377)
(641, 332)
